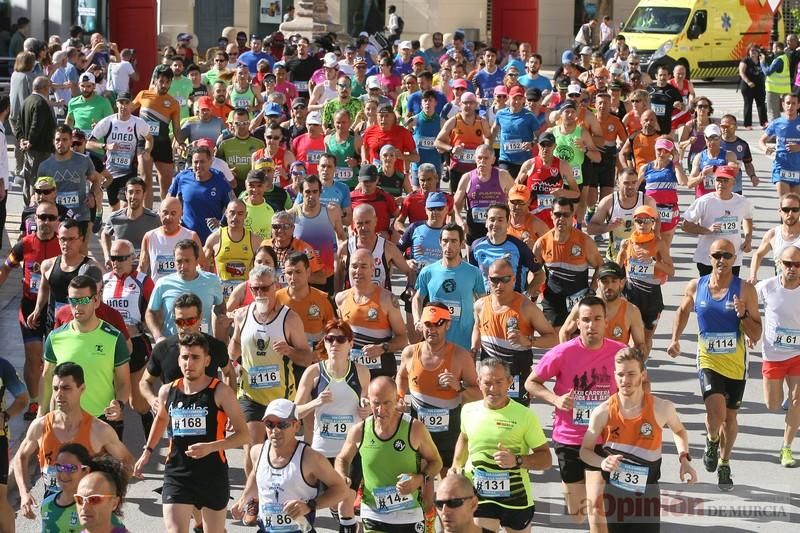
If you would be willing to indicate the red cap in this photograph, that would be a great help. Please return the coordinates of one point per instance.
(208, 143)
(418, 59)
(460, 82)
(516, 91)
(205, 102)
(726, 171)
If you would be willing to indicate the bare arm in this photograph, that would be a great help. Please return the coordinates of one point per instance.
(763, 249)
(682, 318)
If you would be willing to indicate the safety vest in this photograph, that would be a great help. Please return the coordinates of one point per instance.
(778, 82)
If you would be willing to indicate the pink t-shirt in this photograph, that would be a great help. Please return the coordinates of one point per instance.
(289, 90)
(590, 373)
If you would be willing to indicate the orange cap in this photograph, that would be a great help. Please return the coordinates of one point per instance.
(645, 210)
(433, 313)
(519, 192)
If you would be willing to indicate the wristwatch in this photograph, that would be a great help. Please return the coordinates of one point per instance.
(519, 460)
(385, 347)
(686, 456)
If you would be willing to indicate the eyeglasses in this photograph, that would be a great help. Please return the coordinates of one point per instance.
(83, 300)
(187, 322)
(497, 280)
(791, 264)
(702, 106)
(439, 323)
(92, 499)
(560, 214)
(344, 85)
(283, 424)
(241, 122)
(276, 227)
(43, 191)
(261, 288)
(722, 255)
(119, 258)
(790, 209)
(47, 218)
(452, 503)
(339, 339)
(68, 468)
(643, 220)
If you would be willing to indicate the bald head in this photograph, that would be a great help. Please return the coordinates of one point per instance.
(723, 245)
(455, 483)
(361, 254)
(382, 384)
(41, 84)
(364, 210)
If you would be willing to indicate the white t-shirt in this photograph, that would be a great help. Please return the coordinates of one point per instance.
(125, 135)
(119, 76)
(709, 210)
(781, 336)
(222, 166)
(346, 68)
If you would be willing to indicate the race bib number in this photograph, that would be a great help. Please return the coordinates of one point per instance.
(120, 161)
(577, 173)
(728, 225)
(584, 403)
(436, 420)
(165, 264)
(720, 343)
(454, 308)
(68, 199)
(276, 520)
(264, 376)
(343, 174)
(36, 282)
(227, 287)
(792, 176)
(50, 476)
(313, 157)
(242, 102)
(154, 126)
(787, 338)
(514, 145)
(708, 182)
(302, 86)
(479, 214)
(545, 201)
(425, 142)
(492, 484)
(188, 422)
(640, 269)
(630, 477)
(357, 355)
(659, 109)
(388, 500)
(335, 427)
(467, 156)
(573, 299)
(665, 214)
(513, 389)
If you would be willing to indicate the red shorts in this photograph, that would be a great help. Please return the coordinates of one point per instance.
(781, 369)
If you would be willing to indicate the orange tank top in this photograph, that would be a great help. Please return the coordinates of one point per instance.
(524, 230)
(424, 383)
(617, 327)
(369, 321)
(470, 135)
(644, 149)
(49, 444)
(642, 271)
(639, 436)
(494, 325)
(612, 128)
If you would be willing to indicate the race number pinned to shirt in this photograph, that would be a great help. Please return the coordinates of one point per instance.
(492, 484)
(720, 343)
(436, 420)
(357, 355)
(630, 477)
(188, 422)
(264, 376)
(787, 338)
(388, 500)
(334, 427)
(584, 401)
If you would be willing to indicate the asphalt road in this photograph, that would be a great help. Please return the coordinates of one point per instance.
(765, 496)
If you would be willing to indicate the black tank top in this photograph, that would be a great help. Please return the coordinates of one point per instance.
(59, 283)
(195, 418)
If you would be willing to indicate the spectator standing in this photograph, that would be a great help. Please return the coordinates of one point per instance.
(753, 86)
(37, 125)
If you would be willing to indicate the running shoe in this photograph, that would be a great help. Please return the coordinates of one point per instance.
(724, 481)
(250, 513)
(30, 414)
(786, 457)
(711, 455)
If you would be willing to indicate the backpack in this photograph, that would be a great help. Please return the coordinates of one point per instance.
(400, 24)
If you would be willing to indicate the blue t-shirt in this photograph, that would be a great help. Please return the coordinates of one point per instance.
(9, 381)
(487, 82)
(251, 59)
(741, 150)
(72, 72)
(423, 241)
(414, 102)
(515, 129)
(425, 133)
(458, 288)
(400, 68)
(483, 253)
(201, 199)
(205, 286)
(541, 83)
(337, 194)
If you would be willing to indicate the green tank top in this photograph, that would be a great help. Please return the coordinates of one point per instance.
(245, 99)
(566, 151)
(382, 461)
(58, 519)
(342, 151)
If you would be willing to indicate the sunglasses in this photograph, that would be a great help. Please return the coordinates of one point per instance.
(261, 288)
(643, 220)
(47, 218)
(241, 122)
(713, 137)
(559, 214)
(497, 280)
(283, 424)
(439, 323)
(187, 322)
(702, 106)
(512, 75)
(790, 209)
(92, 499)
(636, 100)
(273, 137)
(791, 264)
(346, 86)
(83, 300)
(119, 258)
(440, 208)
(722, 255)
(339, 339)
(277, 227)
(43, 191)
(518, 202)
(68, 469)
(298, 173)
(452, 503)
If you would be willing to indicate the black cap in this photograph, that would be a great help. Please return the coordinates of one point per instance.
(547, 137)
(533, 94)
(254, 37)
(124, 96)
(568, 105)
(385, 108)
(368, 173)
(297, 102)
(563, 82)
(256, 175)
(610, 268)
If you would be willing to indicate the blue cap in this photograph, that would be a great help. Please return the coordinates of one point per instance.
(272, 109)
(567, 57)
(436, 199)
